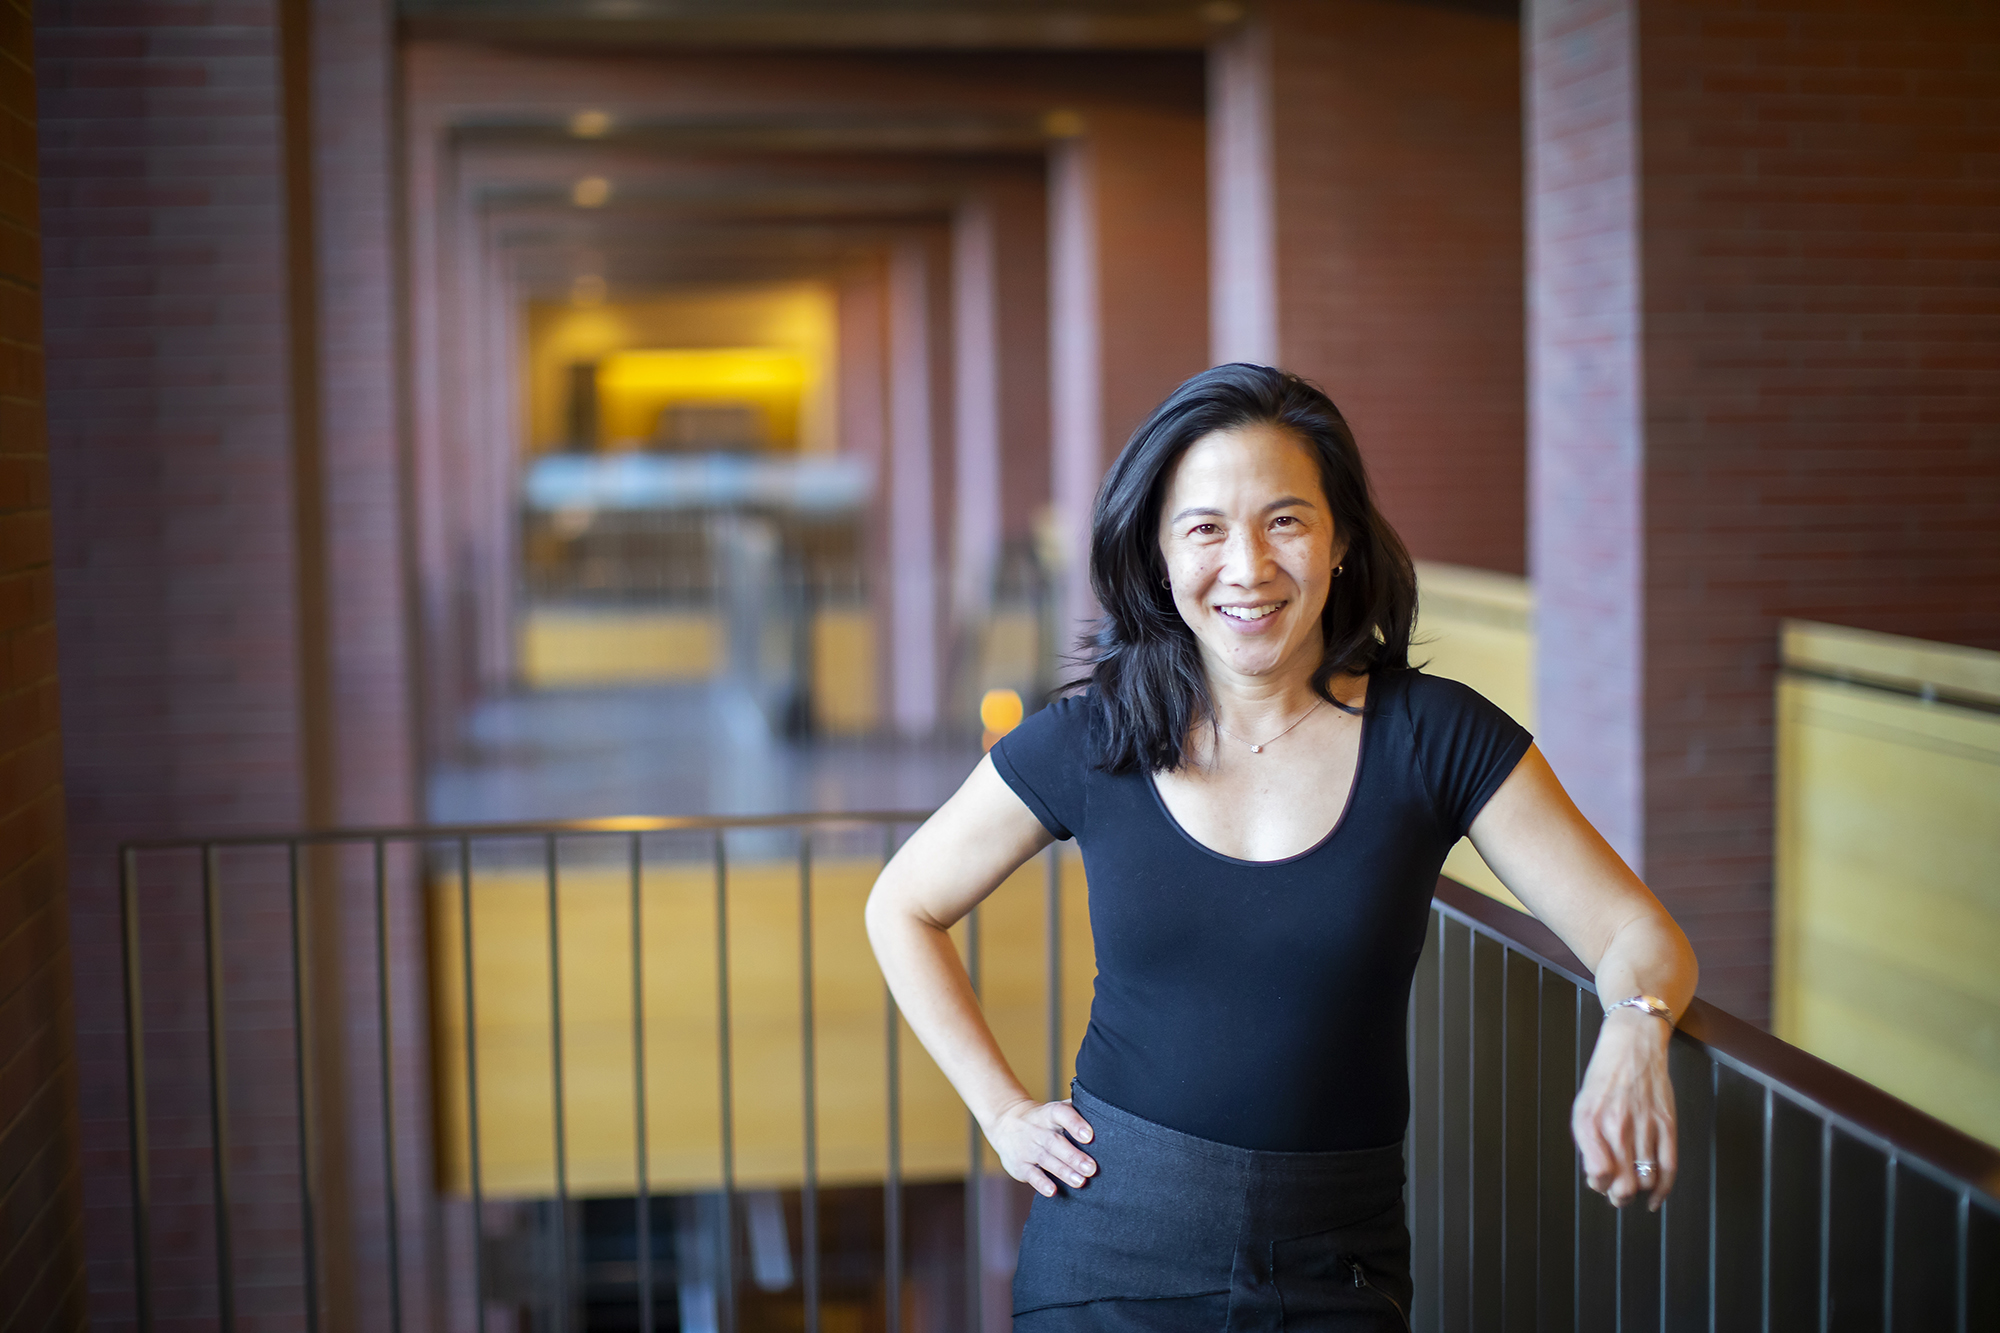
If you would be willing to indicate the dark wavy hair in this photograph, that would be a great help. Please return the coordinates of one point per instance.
(1146, 681)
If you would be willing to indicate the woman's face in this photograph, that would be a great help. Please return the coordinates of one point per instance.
(1250, 547)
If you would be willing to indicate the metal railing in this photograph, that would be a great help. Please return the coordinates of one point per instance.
(1806, 1198)
(289, 873)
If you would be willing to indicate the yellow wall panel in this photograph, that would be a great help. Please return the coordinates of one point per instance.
(843, 654)
(512, 1031)
(1888, 878)
(1476, 626)
(566, 647)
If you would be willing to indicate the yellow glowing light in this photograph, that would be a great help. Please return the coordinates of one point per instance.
(1000, 711)
(590, 124)
(634, 387)
(1063, 124)
(591, 192)
(704, 371)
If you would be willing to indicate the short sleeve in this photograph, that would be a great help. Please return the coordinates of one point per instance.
(1466, 747)
(1046, 761)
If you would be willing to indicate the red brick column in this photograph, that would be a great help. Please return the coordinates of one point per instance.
(176, 587)
(1366, 207)
(371, 683)
(919, 476)
(1128, 299)
(1767, 385)
(41, 1185)
(1586, 436)
(1000, 397)
(225, 488)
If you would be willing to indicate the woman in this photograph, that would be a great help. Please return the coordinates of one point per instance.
(1263, 790)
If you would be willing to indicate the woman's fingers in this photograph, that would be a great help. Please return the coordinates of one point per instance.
(1605, 1140)
(1065, 1161)
(1599, 1165)
(1613, 1143)
(1071, 1120)
(1037, 1146)
(1657, 1147)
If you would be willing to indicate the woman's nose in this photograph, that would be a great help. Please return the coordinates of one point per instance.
(1246, 558)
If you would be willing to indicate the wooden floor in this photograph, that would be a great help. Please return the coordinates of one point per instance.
(513, 1045)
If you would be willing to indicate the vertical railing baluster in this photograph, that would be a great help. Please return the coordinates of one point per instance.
(1580, 1054)
(302, 1065)
(1825, 1223)
(472, 1089)
(643, 1202)
(139, 1142)
(1764, 1220)
(391, 1213)
(1052, 939)
(218, 1093)
(1962, 1239)
(975, 1164)
(561, 1307)
(727, 1278)
(1714, 1209)
(1889, 1242)
(809, 1089)
(892, 1184)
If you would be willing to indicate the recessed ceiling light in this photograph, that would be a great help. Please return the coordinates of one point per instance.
(590, 124)
(590, 192)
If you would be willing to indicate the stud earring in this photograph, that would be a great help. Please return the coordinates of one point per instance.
(1339, 569)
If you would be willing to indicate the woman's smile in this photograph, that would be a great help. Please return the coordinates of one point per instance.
(1250, 618)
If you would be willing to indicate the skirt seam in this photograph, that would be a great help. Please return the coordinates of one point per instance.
(1099, 1300)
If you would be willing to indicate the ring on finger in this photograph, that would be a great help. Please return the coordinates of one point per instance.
(1646, 1171)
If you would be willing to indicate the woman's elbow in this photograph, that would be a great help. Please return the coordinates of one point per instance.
(889, 911)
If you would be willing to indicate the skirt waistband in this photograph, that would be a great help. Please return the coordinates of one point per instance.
(1317, 1171)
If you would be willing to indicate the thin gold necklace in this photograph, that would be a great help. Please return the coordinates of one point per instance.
(1259, 749)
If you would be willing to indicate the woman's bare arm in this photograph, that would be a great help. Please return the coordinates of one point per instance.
(953, 861)
(1554, 861)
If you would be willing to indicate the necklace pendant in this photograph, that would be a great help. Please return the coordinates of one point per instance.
(1256, 749)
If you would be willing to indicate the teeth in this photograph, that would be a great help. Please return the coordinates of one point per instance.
(1247, 612)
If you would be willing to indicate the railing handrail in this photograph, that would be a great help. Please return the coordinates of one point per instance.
(1880, 1118)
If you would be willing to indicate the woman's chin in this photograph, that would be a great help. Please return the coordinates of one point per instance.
(1256, 658)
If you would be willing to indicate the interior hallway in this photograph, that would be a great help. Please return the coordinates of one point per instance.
(684, 749)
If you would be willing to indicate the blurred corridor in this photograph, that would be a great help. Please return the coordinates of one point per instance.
(421, 413)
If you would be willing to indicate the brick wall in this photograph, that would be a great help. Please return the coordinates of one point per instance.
(41, 1214)
(1822, 261)
(1817, 384)
(177, 589)
(1395, 135)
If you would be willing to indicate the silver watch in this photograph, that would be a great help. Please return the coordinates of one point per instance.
(1645, 1004)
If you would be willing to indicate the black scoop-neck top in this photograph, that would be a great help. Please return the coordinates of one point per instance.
(1262, 1003)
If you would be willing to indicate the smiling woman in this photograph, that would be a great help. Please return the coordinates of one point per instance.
(1261, 467)
(1264, 792)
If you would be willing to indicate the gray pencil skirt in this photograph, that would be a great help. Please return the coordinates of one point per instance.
(1176, 1234)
